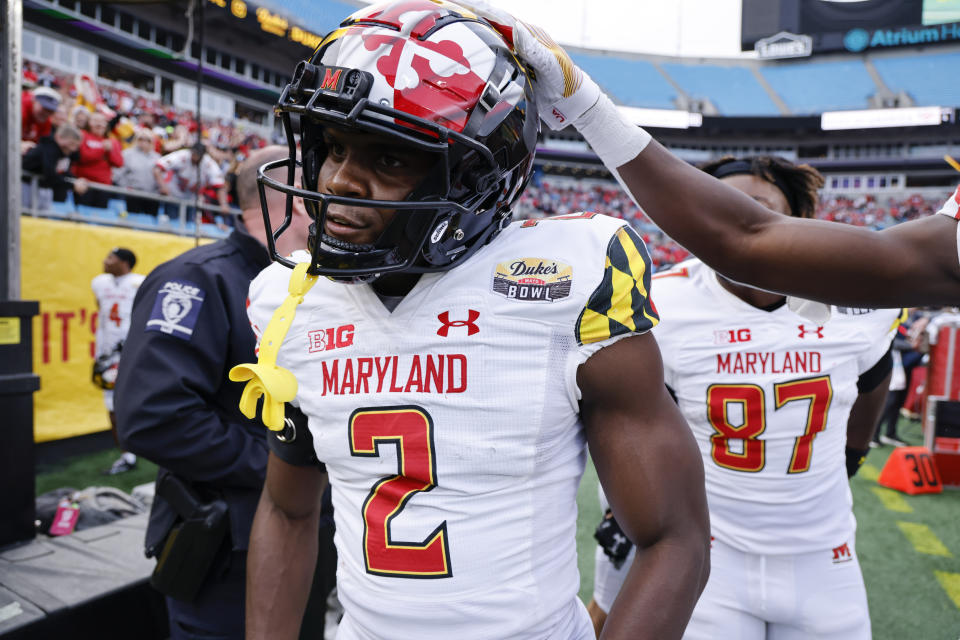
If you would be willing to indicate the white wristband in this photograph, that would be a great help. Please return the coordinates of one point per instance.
(614, 138)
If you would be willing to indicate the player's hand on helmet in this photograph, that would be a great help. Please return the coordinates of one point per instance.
(563, 91)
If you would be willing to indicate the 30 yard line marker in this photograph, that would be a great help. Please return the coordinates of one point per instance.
(870, 472)
(951, 584)
(892, 500)
(923, 539)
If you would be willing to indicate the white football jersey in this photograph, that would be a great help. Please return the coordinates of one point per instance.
(767, 395)
(952, 208)
(450, 427)
(114, 296)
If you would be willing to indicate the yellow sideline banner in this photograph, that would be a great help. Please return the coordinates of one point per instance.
(58, 261)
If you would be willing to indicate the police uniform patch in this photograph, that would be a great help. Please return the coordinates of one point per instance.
(621, 303)
(176, 309)
(533, 279)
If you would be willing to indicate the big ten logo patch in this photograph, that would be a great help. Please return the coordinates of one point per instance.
(731, 336)
(842, 554)
(533, 279)
(329, 339)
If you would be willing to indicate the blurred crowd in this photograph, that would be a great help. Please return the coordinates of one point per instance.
(93, 132)
(546, 197)
(77, 132)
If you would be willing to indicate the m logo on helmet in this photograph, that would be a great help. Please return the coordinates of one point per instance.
(331, 79)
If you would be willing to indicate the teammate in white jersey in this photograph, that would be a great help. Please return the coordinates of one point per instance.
(783, 411)
(452, 366)
(910, 264)
(114, 290)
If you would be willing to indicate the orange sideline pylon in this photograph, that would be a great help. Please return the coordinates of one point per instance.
(911, 470)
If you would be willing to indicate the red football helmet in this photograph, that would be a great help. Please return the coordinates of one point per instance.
(431, 75)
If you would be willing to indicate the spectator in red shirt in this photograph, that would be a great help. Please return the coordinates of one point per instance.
(37, 107)
(96, 159)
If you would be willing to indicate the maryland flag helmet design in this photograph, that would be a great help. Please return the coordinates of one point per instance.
(426, 74)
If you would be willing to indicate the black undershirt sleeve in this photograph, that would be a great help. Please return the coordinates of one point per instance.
(294, 444)
(673, 394)
(876, 374)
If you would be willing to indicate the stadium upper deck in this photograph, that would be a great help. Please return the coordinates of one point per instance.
(747, 87)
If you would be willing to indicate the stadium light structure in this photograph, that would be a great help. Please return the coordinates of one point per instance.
(882, 118)
(663, 118)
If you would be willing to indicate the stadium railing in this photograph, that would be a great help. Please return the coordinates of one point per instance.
(116, 213)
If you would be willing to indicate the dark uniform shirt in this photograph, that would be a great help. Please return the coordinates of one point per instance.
(48, 160)
(174, 403)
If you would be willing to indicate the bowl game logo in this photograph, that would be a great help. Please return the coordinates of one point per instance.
(533, 279)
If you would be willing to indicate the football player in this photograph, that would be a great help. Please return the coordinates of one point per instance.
(449, 367)
(910, 264)
(783, 411)
(114, 290)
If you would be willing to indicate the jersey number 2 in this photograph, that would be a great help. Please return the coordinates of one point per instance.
(750, 397)
(410, 428)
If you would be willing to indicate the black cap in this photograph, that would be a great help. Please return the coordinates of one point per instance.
(126, 255)
(199, 148)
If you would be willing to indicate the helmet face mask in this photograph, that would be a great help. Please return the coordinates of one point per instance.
(463, 99)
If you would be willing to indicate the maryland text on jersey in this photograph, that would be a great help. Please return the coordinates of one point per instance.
(769, 362)
(426, 373)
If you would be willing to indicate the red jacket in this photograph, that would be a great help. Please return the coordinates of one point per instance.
(32, 130)
(96, 157)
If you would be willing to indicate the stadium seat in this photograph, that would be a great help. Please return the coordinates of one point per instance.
(631, 82)
(96, 214)
(815, 87)
(62, 208)
(733, 90)
(142, 219)
(118, 205)
(320, 15)
(212, 231)
(923, 77)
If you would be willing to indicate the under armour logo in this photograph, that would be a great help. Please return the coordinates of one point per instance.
(804, 331)
(469, 323)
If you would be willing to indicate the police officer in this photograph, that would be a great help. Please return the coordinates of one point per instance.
(177, 408)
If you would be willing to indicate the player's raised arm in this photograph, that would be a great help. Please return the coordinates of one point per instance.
(651, 472)
(911, 264)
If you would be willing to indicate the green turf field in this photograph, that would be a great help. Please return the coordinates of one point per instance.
(913, 583)
(905, 594)
(87, 471)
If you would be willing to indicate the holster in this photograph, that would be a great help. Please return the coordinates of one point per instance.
(193, 542)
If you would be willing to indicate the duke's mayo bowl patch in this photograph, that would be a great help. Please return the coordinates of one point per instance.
(533, 279)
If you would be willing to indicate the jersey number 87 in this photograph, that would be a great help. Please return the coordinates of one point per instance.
(818, 391)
